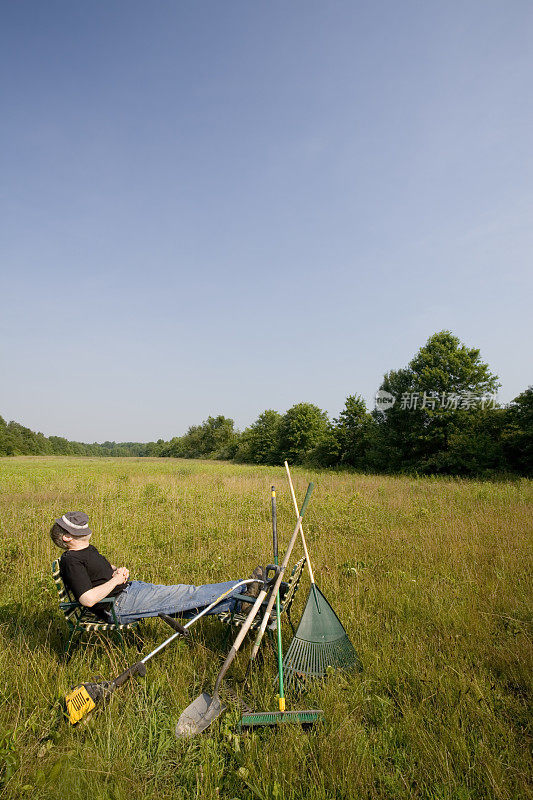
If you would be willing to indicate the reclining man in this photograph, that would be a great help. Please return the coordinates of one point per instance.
(90, 577)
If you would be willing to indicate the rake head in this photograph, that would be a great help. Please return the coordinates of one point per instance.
(320, 642)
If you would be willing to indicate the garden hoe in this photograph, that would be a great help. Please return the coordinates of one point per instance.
(82, 699)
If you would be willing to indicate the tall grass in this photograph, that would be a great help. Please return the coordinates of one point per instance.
(431, 578)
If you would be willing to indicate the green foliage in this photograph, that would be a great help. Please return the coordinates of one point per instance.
(214, 438)
(259, 444)
(9, 757)
(446, 365)
(429, 435)
(16, 440)
(518, 433)
(304, 429)
(353, 432)
(432, 437)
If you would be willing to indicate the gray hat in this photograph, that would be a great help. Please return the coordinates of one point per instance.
(75, 523)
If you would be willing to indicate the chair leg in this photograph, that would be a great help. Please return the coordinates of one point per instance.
(121, 640)
(67, 655)
(290, 623)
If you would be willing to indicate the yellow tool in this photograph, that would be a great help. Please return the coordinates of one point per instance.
(79, 703)
(81, 699)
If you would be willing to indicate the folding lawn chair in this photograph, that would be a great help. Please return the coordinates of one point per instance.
(81, 619)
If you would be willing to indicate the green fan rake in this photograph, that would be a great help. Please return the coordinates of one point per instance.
(320, 641)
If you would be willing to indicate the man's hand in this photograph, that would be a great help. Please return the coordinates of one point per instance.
(121, 575)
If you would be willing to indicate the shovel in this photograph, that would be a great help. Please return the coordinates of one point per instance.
(206, 708)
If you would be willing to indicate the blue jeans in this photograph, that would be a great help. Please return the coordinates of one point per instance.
(139, 600)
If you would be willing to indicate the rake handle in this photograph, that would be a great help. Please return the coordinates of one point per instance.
(301, 527)
(313, 584)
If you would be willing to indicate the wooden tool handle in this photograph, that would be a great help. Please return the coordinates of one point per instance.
(301, 527)
(283, 567)
(238, 641)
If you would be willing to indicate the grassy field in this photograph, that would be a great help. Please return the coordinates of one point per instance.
(431, 578)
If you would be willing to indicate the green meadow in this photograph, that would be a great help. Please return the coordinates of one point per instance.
(430, 577)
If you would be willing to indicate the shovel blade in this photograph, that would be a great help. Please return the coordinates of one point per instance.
(199, 715)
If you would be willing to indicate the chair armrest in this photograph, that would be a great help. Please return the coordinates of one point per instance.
(247, 597)
(77, 604)
(111, 601)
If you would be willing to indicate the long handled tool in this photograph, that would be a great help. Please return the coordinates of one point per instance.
(202, 711)
(206, 708)
(278, 604)
(305, 718)
(320, 641)
(81, 700)
(283, 567)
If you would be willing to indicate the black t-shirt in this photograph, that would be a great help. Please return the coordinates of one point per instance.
(82, 570)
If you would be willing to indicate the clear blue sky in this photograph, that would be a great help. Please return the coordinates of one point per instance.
(221, 207)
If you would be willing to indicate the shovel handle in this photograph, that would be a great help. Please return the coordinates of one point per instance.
(238, 641)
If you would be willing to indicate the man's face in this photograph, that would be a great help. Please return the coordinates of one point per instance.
(72, 541)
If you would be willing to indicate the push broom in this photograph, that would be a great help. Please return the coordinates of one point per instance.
(320, 640)
(253, 719)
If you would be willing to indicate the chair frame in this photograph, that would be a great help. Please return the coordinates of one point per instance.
(81, 619)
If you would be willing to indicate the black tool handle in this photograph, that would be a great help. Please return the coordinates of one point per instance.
(136, 669)
(174, 624)
(270, 579)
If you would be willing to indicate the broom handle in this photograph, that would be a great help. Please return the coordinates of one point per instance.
(283, 567)
(313, 585)
(278, 607)
(301, 528)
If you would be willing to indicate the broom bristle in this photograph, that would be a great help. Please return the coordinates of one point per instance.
(277, 717)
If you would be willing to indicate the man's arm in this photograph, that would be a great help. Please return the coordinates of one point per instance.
(93, 596)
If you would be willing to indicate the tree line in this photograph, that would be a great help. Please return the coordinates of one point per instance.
(16, 440)
(438, 415)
